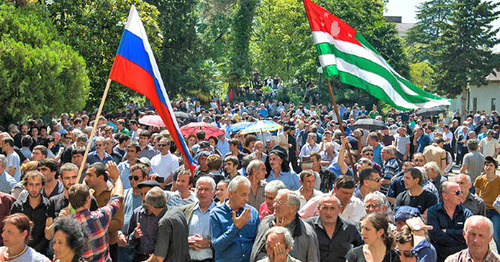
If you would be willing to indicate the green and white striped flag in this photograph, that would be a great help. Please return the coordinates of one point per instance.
(344, 52)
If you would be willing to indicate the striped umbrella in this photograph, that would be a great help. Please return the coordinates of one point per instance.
(261, 126)
(238, 126)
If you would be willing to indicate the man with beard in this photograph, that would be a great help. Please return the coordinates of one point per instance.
(35, 207)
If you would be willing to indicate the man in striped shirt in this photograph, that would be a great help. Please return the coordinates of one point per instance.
(97, 222)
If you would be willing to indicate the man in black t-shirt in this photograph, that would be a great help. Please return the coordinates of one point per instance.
(58, 204)
(415, 195)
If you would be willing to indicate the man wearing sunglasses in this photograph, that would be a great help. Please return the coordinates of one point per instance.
(370, 182)
(131, 201)
(165, 163)
(447, 220)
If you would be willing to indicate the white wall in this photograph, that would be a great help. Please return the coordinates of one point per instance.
(484, 97)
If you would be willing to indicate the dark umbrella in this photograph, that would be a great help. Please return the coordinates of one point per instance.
(433, 111)
(183, 115)
(369, 124)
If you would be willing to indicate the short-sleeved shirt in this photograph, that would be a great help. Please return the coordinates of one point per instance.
(14, 161)
(290, 179)
(487, 190)
(423, 201)
(475, 163)
(6, 182)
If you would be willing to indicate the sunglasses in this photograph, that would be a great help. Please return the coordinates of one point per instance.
(368, 154)
(376, 179)
(366, 162)
(405, 253)
(162, 145)
(136, 178)
(372, 205)
(458, 192)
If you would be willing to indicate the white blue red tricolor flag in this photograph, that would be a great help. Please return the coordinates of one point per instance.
(135, 67)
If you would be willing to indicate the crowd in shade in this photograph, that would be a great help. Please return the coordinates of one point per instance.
(271, 181)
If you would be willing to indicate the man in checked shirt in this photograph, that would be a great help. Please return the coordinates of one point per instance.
(97, 222)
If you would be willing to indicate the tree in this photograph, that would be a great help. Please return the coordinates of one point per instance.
(94, 28)
(241, 29)
(282, 42)
(423, 38)
(39, 74)
(182, 59)
(466, 58)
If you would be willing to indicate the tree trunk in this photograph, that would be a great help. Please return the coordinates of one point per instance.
(463, 109)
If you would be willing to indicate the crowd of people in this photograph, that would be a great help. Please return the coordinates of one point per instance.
(318, 189)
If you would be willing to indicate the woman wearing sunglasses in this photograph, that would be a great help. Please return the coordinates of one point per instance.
(412, 244)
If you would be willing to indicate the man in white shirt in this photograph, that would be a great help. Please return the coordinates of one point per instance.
(489, 146)
(165, 163)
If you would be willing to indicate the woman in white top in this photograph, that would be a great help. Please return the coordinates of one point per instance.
(16, 233)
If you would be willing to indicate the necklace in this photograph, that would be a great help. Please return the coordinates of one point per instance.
(9, 258)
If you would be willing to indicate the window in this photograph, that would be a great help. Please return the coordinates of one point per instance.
(474, 104)
(493, 102)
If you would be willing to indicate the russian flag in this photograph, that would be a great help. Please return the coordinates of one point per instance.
(135, 67)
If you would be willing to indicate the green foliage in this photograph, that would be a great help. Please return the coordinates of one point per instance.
(423, 38)
(421, 74)
(38, 73)
(282, 43)
(239, 65)
(94, 28)
(182, 65)
(465, 56)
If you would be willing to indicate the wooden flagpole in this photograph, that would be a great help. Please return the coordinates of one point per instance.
(89, 141)
(335, 109)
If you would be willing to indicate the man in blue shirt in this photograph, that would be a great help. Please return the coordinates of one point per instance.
(421, 139)
(282, 172)
(447, 220)
(99, 155)
(132, 200)
(6, 180)
(234, 223)
(373, 141)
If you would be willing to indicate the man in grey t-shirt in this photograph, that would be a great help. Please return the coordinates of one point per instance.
(473, 162)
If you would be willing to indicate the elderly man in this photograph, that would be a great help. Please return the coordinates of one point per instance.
(286, 205)
(447, 220)
(390, 167)
(6, 180)
(279, 241)
(234, 223)
(171, 243)
(99, 155)
(310, 146)
(256, 171)
(198, 220)
(471, 201)
(280, 171)
(478, 232)
(336, 236)
(270, 191)
(434, 174)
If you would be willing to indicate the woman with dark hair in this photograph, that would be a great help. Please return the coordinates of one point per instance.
(16, 234)
(69, 240)
(378, 241)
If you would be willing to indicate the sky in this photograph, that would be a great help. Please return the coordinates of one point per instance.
(407, 10)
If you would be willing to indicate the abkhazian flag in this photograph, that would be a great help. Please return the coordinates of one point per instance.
(135, 67)
(344, 52)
